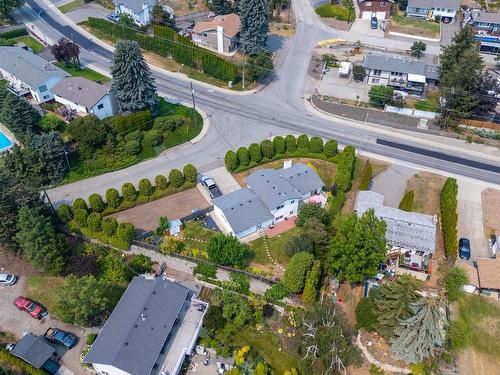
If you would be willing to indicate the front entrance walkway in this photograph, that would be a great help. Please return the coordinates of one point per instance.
(281, 227)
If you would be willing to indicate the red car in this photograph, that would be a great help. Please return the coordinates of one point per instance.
(25, 304)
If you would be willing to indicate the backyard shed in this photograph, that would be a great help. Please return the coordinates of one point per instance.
(345, 68)
(175, 227)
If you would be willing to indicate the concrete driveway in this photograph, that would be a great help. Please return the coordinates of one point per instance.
(363, 27)
(224, 180)
(19, 322)
(392, 183)
(88, 10)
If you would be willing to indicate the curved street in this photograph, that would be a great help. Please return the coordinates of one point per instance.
(281, 107)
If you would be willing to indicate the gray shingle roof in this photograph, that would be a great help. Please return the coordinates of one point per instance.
(80, 91)
(447, 4)
(33, 349)
(409, 230)
(401, 64)
(271, 187)
(136, 331)
(243, 209)
(302, 178)
(28, 67)
(487, 17)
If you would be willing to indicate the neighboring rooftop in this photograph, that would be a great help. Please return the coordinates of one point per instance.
(28, 67)
(139, 326)
(302, 177)
(446, 4)
(229, 22)
(33, 349)
(80, 91)
(401, 64)
(409, 230)
(488, 271)
(134, 5)
(243, 209)
(487, 17)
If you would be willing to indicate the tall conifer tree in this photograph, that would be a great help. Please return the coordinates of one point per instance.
(254, 25)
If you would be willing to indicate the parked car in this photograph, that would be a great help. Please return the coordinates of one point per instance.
(464, 248)
(6, 279)
(113, 17)
(213, 189)
(61, 337)
(25, 304)
(374, 23)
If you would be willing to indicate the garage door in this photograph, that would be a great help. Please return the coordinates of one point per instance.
(368, 15)
(380, 15)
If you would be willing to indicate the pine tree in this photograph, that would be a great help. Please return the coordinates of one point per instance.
(133, 85)
(221, 7)
(392, 303)
(312, 284)
(19, 116)
(254, 25)
(422, 332)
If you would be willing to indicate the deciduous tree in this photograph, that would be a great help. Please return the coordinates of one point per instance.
(312, 210)
(418, 48)
(227, 250)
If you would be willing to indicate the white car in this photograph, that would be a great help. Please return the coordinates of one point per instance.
(6, 279)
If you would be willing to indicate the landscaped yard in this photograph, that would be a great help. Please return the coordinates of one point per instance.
(31, 43)
(75, 4)
(430, 103)
(399, 23)
(42, 289)
(427, 189)
(276, 247)
(85, 73)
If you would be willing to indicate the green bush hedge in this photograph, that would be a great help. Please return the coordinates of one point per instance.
(449, 217)
(345, 169)
(205, 269)
(406, 203)
(339, 12)
(14, 33)
(277, 292)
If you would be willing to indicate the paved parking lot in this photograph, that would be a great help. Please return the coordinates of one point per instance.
(334, 85)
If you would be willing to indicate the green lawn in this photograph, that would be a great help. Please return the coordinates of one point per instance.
(431, 103)
(85, 73)
(42, 289)
(31, 43)
(414, 27)
(339, 12)
(276, 247)
(197, 231)
(75, 4)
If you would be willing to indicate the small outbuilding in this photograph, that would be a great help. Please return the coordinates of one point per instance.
(36, 351)
(175, 227)
(345, 69)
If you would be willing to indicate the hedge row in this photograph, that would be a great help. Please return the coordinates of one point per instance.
(170, 44)
(16, 33)
(280, 147)
(345, 169)
(15, 363)
(449, 217)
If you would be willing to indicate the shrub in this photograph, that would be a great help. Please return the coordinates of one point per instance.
(407, 202)
(205, 269)
(231, 161)
(153, 138)
(90, 338)
(365, 314)
(336, 204)
(239, 283)
(298, 244)
(96, 202)
(380, 95)
(454, 281)
(171, 246)
(125, 232)
(168, 123)
(145, 188)
(331, 148)
(64, 213)
(345, 169)
(176, 178)
(459, 333)
(243, 156)
(267, 148)
(449, 217)
(227, 250)
(312, 284)
(190, 173)
(255, 152)
(50, 122)
(80, 203)
(312, 210)
(161, 182)
(296, 270)
(128, 192)
(366, 177)
(358, 73)
(291, 143)
(94, 222)
(134, 136)
(279, 145)
(81, 216)
(109, 226)
(316, 145)
(113, 197)
(337, 11)
(303, 142)
(133, 147)
(277, 292)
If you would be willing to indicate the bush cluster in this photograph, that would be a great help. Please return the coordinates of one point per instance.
(337, 11)
(24, 367)
(206, 270)
(345, 169)
(407, 202)
(449, 217)
(277, 292)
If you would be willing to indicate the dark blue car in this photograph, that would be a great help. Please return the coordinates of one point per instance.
(464, 248)
(61, 337)
(374, 23)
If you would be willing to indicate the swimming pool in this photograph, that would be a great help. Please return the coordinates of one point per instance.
(5, 143)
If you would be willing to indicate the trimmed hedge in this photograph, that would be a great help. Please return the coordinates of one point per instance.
(190, 173)
(145, 187)
(161, 182)
(64, 212)
(176, 178)
(16, 33)
(345, 169)
(331, 148)
(9, 360)
(406, 203)
(113, 197)
(366, 177)
(96, 203)
(449, 217)
(128, 191)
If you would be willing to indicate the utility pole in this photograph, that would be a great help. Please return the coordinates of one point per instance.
(192, 95)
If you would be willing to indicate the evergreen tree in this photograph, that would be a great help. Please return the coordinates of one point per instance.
(50, 147)
(19, 116)
(312, 284)
(422, 332)
(254, 25)
(221, 7)
(133, 85)
(40, 243)
(392, 303)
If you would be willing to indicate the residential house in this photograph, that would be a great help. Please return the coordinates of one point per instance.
(270, 197)
(411, 235)
(151, 330)
(141, 11)
(37, 352)
(487, 26)
(484, 278)
(443, 10)
(375, 8)
(219, 34)
(407, 75)
(29, 74)
(84, 96)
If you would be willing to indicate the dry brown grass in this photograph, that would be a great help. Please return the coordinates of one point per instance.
(427, 187)
(161, 62)
(472, 362)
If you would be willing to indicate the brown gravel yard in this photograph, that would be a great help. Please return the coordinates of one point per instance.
(491, 207)
(176, 206)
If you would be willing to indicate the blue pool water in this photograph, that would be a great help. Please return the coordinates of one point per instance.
(5, 143)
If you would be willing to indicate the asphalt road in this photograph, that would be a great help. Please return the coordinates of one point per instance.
(279, 108)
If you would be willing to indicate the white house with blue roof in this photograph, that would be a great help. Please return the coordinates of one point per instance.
(270, 196)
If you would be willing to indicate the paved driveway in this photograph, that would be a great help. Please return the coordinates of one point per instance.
(333, 85)
(224, 180)
(392, 183)
(363, 27)
(88, 10)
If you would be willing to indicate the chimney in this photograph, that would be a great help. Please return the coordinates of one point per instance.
(287, 164)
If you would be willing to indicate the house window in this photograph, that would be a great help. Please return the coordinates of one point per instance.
(292, 202)
(279, 217)
(100, 106)
(43, 88)
(377, 72)
(46, 97)
(205, 34)
(291, 213)
(279, 207)
(368, 3)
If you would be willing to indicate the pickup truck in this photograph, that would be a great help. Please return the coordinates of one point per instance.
(213, 189)
(61, 337)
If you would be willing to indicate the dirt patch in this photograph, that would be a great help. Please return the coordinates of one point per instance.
(491, 207)
(11, 263)
(183, 7)
(176, 206)
(490, 325)
(378, 347)
(161, 62)
(471, 362)
(350, 298)
(427, 188)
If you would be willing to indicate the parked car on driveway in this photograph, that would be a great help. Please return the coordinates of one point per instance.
(113, 17)
(374, 23)
(464, 248)
(25, 304)
(61, 337)
(6, 279)
(213, 189)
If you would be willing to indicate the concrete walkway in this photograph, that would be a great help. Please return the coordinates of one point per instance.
(392, 183)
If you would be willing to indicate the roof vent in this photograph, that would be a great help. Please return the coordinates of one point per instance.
(143, 317)
(241, 204)
(154, 291)
(145, 309)
(135, 326)
(126, 344)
